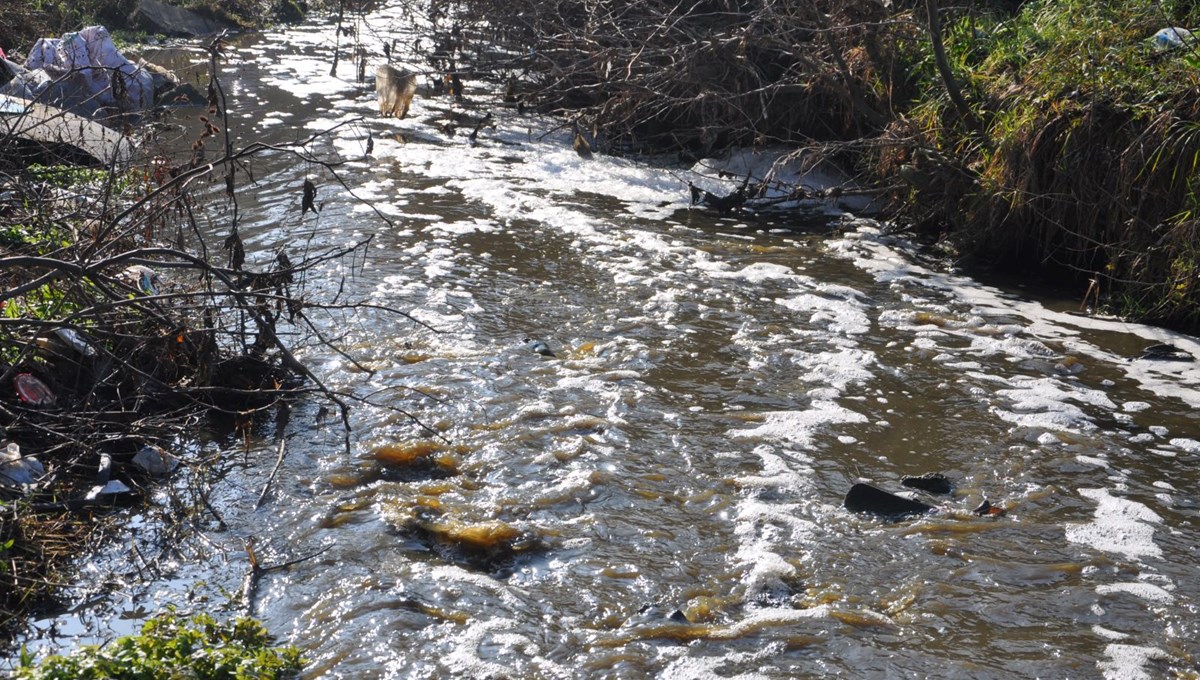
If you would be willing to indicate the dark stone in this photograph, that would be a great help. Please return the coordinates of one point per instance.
(291, 12)
(170, 20)
(867, 498)
(931, 482)
(1165, 352)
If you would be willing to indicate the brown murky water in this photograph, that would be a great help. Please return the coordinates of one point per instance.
(662, 498)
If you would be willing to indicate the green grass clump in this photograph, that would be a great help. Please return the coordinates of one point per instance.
(171, 647)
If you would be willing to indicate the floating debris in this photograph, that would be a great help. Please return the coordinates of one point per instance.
(142, 278)
(75, 340)
(107, 489)
(986, 509)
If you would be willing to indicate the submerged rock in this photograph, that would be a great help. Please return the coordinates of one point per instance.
(483, 544)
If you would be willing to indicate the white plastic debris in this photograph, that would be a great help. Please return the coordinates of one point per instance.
(155, 461)
(106, 487)
(141, 277)
(113, 487)
(75, 341)
(82, 67)
(1172, 38)
(16, 470)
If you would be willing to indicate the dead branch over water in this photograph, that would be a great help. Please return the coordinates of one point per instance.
(699, 75)
(121, 330)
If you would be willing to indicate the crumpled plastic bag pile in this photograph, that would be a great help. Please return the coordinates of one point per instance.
(82, 72)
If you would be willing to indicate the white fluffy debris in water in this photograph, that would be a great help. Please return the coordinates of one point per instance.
(1121, 526)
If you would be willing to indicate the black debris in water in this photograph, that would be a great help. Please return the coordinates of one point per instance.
(867, 498)
(1164, 352)
(931, 482)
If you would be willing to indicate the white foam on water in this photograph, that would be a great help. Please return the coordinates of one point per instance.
(1129, 662)
(1146, 591)
(1121, 526)
(873, 252)
(799, 427)
(1107, 634)
(841, 317)
(1186, 445)
(1043, 403)
(685, 667)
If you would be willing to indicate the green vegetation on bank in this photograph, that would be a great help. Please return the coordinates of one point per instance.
(1085, 166)
(172, 646)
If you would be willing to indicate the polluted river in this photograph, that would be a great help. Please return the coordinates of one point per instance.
(638, 421)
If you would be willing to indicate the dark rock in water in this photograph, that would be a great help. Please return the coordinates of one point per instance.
(678, 617)
(539, 347)
(867, 498)
(163, 18)
(931, 482)
(1165, 352)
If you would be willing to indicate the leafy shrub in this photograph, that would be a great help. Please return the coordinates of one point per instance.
(171, 647)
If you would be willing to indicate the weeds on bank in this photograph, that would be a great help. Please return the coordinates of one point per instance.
(1087, 166)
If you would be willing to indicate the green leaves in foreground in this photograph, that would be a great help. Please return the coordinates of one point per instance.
(171, 647)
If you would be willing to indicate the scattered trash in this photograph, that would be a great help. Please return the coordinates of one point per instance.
(32, 391)
(867, 498)
(84, 73)
(1165, 352)
(539, 347)
(141, 277)
(75, 341)
(155, 461)
(59, 130)
(986, 509)
(931, 482)
(1172, 38)
(16, 470)
(107, 489)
